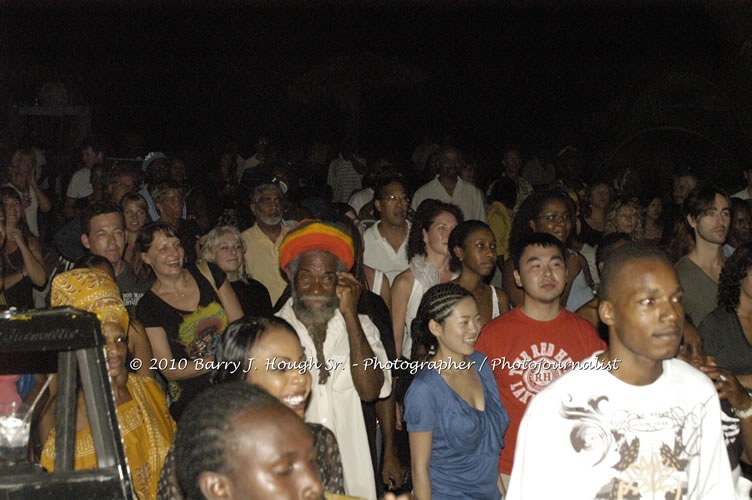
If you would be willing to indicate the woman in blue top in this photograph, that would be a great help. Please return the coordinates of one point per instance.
(454, 415)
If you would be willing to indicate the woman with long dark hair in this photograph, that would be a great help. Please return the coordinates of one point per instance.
(428, 255)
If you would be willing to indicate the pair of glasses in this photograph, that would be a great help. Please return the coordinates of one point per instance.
(555, 218)
(394, 197)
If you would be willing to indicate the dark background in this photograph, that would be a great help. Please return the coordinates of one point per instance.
(624, 84)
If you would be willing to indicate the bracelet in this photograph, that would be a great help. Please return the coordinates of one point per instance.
(744, 413)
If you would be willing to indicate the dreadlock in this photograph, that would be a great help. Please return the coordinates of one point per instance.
(437, 304)
(205, 435)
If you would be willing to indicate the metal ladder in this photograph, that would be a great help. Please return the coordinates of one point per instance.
(74, 336)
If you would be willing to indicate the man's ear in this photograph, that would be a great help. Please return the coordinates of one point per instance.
(517, 279)
(692, 222)
(606, 312)
(252, 206)
(377, 204)
(85, 242)
(214, 485)
(531, 224)
(158, 206)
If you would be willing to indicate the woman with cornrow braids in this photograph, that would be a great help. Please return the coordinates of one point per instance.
(453, 412)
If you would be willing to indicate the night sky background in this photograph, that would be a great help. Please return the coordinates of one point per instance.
(194, 78)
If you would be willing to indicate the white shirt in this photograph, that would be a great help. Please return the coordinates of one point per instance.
(336, 404)
(589, 432)
(466, 196)
(359, 199)
(743, 194)
(343, 178)
(379, 254)
(80, 184)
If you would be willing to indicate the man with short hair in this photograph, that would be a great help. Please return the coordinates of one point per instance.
(342, 344)
(79, 187)
(239, 442)
(385, 242)
(121, 180)
(538, 339)
(707, 216)
(740, 228)
(448, 187)
(168, 198)
(103, 233)
(632, 421)
(262, 240)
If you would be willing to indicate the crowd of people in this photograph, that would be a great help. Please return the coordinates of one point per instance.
(362, 327)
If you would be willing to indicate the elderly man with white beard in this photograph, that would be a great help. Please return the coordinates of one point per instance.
(323, 310)
(262, 240)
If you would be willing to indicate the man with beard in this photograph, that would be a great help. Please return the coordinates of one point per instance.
(739, 231)
(340, 344)
(707, 216)
(262, 240)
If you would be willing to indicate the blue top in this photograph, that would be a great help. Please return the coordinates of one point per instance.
(466, 442)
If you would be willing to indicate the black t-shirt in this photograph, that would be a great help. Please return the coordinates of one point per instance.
(253, 297)
(131, 288)
(190, 334)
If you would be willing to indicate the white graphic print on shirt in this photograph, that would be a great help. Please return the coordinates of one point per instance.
(648, 453)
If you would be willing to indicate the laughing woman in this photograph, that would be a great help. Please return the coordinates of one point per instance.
(185, 312)
(454, 415)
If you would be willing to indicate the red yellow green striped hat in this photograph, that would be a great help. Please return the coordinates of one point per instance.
(312, 234)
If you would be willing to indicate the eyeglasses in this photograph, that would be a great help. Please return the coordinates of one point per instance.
(555, 218)
(395, 197)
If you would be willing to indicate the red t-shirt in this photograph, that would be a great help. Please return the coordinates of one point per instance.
(515, 342)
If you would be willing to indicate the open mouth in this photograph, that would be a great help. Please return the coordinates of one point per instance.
(295, 401)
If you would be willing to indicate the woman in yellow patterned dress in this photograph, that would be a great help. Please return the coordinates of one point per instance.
(145, 424)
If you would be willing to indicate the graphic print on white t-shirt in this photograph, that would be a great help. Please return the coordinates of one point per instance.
(648, 453)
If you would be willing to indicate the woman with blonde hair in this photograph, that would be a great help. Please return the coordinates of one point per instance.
(625, 216)
(225, 248)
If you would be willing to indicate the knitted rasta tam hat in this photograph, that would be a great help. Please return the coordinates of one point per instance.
(312, 234)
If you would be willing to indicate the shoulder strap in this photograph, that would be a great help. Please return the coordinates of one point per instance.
(203, 267)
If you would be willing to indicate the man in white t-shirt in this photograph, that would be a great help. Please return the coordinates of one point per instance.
(448, 187)
(631, 421)
(386, 241)
(92, 153)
